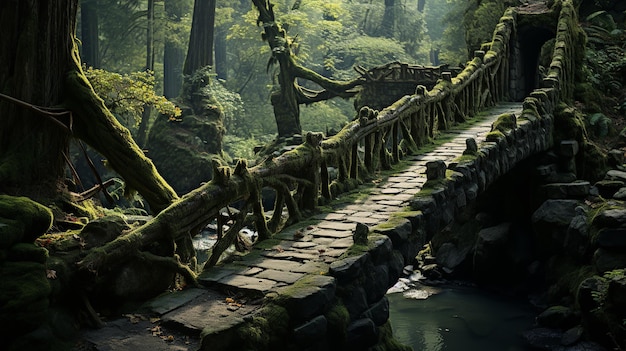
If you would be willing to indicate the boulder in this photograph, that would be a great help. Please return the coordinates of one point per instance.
(612, 218)
(558, 317)
(22, 220)
(550, 223)
(606, 260)
(102, 230)
(577, 241)
(574, 190)
(140, 280)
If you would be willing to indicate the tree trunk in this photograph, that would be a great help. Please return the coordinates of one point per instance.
(174, 54)
(142, 131)
(287, 100)
(221, 61)
(420, 5)
(33, 69)
(90, 51)
(388, 26)
(41, 67)
(200, 52)
(95, 124)
(150, 36)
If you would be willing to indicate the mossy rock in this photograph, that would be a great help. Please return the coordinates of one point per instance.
(27, 252)
(182, 153)
(23, 296)
(267, 330)
(505, 122)
(183, 150)
(11, 232)
(386, 342)
(568, 124)
(338, 319)
(103, 230)
(595, 163)
(35, 218)
(494, 136)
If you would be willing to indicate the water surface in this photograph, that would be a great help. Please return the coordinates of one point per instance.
(459, 319)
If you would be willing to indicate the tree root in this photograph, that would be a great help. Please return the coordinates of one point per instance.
(172, 264)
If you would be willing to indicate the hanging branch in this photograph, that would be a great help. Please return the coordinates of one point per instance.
(43, 111)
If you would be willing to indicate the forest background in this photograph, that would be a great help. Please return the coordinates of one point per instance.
(124, 44)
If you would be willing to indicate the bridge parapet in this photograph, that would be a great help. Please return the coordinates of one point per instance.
(376, 140)
(303, 176)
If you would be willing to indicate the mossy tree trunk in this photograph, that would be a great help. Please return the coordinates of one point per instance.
(173, 53)
(183, 150)
(41, 67)
(32, 146)
(287, 99)
(200, 53)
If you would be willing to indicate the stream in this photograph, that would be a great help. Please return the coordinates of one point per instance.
(458, 318)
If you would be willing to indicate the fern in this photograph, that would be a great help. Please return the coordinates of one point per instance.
(599, 124)
(602, 19)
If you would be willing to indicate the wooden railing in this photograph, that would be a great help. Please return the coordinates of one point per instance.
(320, 169)
(302, 177)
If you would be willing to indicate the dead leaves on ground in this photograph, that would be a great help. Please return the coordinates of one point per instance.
(154, 330)
(233, 305)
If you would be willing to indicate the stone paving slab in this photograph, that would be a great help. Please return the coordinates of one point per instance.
(122, 334)
(279, 265)
(335, 234)
(247, 283)
(172, 300)
(280, 276)
(335, 226)
(209, 310)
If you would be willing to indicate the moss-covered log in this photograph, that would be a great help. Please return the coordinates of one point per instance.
(200, 206)
(95, 124)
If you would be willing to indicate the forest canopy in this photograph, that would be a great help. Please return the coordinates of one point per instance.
(329, 37)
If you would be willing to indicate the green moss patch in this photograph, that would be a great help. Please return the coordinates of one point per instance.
(35, 218)
(24, 296)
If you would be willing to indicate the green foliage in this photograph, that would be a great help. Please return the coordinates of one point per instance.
(598, 124)
(238, 147)
(329, 38)
(480, 21)
(604, 65)
(233, 107)
(325, 116)
(602, 19)
(127, 95)
(601, 295)
(445, 30)
(365, 51)
(119, 193)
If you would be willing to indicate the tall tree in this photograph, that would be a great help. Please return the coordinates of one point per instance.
(183, 150)
(41, 69)
(221, 62)
(173, 52)
(145, 118)
(286, 101)
(200, 52)
(389, 23)
(90, 51)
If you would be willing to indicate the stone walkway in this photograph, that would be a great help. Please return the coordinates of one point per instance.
(234, 290)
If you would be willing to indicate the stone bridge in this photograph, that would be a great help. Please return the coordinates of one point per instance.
(351, 210)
